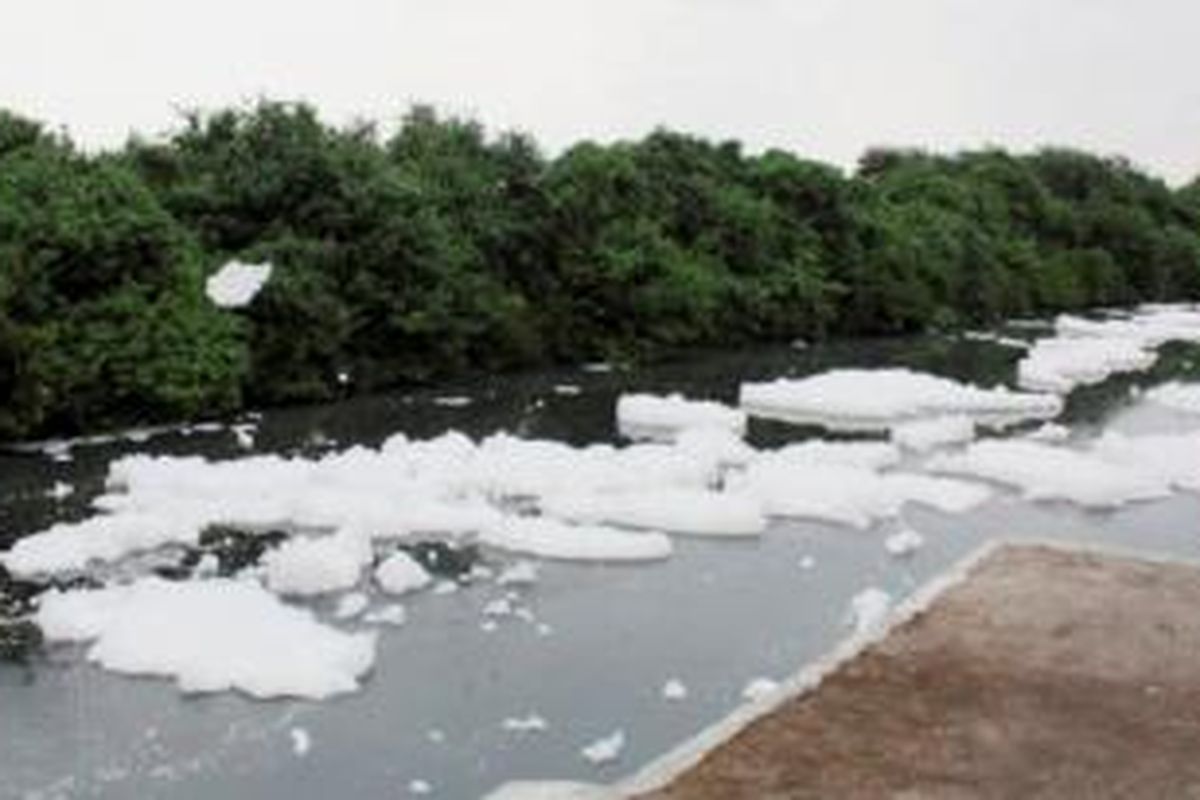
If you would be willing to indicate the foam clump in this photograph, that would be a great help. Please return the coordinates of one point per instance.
(923, 436)
(1171, 458)
(1084, 351)
(1047, 472)
(210, 636)
(401, 574)
(1061, 365)
(687, 511)
(1184, 397)
(648, 416)
(879, 399)
(552, 539)
(308, 566)
(846, 484)
(869, 610)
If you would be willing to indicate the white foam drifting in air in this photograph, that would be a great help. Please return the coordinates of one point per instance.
(210, 636)
(648, 416)
(1084, 352)
(878, 399)
(236, 284)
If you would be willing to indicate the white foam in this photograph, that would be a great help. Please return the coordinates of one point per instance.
(869, 610)
(1047, 472)
(552, 790)
(316, 565)
(648, 416)
(864, 399)
(688, 511)
(549, 538)
(674, 690)
(1061, 365)
(846, 494)
(904, 542)
(758, 690)
(922, 436)
(605, 750)
(1086, 351)
(393, 614)
(1177, 396)
(209, 636)
(301, 742)
(236, 284)
(74, 545)
(522, 573)
(1171, 458)
(401, 574)
(531, 723)
(351, 605)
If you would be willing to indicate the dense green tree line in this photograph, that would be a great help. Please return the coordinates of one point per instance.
(439, 250)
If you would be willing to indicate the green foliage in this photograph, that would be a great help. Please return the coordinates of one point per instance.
(102, 315)
(440, 249)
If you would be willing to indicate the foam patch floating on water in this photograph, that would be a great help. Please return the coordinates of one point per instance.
(1084, 351)
(317, 565)
(648, 416)
(1171, 458)
(210, 636)
(1061, 365)
(922, 436)
(606, 750)
(547, 538)
(869, 610)
(687, 511)
(879, 399)
(846, 484)
(401, 574)
(1047, 472)
(1177, 396)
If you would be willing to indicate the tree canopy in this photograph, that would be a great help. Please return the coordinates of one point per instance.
(439, 249)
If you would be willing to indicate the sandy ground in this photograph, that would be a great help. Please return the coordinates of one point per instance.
(1048, 673)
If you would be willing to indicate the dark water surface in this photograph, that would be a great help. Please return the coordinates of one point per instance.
(716, 615)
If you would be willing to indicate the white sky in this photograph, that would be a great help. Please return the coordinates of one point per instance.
(826, 78)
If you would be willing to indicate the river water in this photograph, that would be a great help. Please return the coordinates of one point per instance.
(605, 639)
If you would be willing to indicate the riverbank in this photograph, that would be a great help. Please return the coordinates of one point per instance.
(1048, 672)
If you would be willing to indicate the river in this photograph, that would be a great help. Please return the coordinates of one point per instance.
(602, 641)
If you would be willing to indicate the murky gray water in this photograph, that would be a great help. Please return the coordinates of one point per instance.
(716, 615)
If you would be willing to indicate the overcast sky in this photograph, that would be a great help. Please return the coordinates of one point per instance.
(823, 77)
